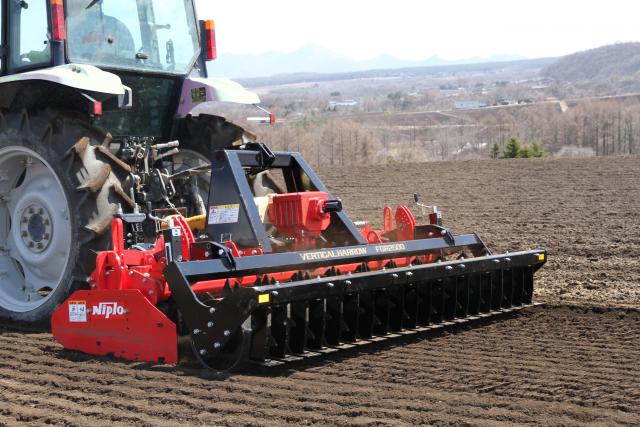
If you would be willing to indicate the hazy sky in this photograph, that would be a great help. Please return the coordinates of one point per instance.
(414, 29)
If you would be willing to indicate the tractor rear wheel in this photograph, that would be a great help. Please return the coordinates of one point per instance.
(57, 198)
(189, 159)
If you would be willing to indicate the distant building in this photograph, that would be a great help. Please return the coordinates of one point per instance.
(332, 105)
(452, 91)
(468, 105)
(539, 87)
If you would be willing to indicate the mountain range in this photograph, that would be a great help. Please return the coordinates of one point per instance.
(620, 61)
(317, 59)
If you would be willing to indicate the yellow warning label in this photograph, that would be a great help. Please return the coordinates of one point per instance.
(541, 257)
(263, 299)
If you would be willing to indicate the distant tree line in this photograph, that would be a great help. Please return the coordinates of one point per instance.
(584, 128)
(604, 127)
(517, 150)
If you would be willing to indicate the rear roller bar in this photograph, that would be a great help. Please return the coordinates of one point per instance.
(284, 322)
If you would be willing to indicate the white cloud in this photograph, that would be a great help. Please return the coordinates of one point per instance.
(415, 29)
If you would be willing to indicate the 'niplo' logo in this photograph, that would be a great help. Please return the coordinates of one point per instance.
(108, 309)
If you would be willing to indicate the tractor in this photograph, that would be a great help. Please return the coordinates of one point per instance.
(88, 89)
(130, 219)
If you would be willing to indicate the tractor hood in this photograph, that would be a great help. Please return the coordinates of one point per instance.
(198, 90)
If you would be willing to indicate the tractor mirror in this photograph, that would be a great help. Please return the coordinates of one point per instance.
(269, 120)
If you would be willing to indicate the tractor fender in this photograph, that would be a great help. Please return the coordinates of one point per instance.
(52, 85)
(197, 91)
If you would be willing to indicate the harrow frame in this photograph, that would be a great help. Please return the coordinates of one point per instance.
(313, 316)
(238, 297)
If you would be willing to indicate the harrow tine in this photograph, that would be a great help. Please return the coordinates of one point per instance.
(334, 322)
(424, 293)
(397, 310)
(411, 306)
(527, 293)
(496, 289)
(450, 298)
(350, 317)
(518, 279)
(317, 324)
(507, 288)
(462, 296)
(485, 292)
(366, 317)
(382, 308)
(438, 301)
(299, 327)
(260, 335)
(279, 331)
(475, 293)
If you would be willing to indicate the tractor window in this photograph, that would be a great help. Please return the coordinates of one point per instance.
(158, 35)
(29, 33)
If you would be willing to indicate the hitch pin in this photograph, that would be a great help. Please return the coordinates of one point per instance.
(168, 154)
(171, 144)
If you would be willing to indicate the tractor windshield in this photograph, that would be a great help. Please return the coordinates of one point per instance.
(155, 35)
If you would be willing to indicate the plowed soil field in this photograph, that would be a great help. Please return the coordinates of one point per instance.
(573, 361)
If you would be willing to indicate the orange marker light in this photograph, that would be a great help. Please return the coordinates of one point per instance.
(210, 36)
(57, 21)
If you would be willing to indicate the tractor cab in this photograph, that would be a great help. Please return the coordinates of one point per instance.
(147, 35)
(143, 35)
(158, 49)
(97, 102)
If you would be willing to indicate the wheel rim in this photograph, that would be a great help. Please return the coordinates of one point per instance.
(35, 230)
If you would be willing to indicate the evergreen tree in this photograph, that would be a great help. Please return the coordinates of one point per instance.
(536, 149)
(512, 150)
(495, 151)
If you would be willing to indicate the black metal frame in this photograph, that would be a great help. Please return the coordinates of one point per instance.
(292, 261)
(348, 307)
(303, 315)
(354, 307)
(229, 169)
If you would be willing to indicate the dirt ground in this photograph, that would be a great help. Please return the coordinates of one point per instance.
(583, 211)
(573, 361)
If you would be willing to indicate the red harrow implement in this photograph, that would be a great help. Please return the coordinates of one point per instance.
(281, 273)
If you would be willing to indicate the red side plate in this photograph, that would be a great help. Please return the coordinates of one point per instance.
(121, 323)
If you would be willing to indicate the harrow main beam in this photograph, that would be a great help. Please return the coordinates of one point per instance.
(292, 261)
(284, 321)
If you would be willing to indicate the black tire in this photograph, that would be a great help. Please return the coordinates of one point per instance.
(69, 144)
(203, 135)
(200, 136)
